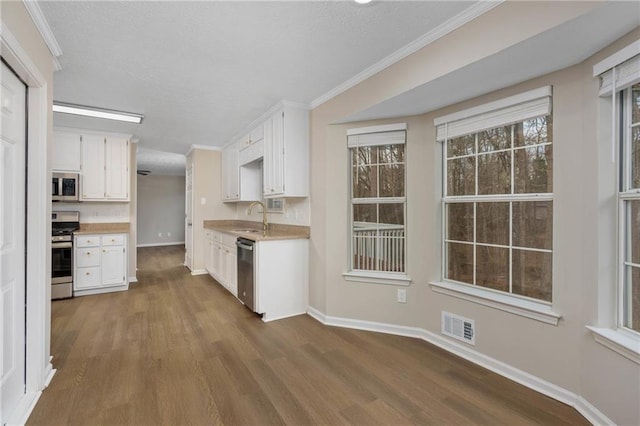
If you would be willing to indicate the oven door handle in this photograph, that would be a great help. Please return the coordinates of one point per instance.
(62, 245)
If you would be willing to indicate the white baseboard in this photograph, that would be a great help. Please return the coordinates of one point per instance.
(584, 407)
(23, 409)
(176, 243)
(133, 279)
(49, 372)
(199, 272)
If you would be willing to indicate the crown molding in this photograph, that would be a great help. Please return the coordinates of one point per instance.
(202, 147)
(43, 27)
(440, 31)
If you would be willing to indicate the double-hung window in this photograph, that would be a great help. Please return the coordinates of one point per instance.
(497, 199)
(377, 201)
(629, 202)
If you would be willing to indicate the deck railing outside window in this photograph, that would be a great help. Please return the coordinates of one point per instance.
(378, 247)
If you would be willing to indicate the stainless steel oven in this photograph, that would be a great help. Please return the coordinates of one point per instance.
(65, 186)
(63, 224)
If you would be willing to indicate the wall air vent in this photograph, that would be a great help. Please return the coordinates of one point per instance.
(459, 327)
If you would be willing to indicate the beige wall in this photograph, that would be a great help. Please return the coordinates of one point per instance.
(207, 184)
(564, 355)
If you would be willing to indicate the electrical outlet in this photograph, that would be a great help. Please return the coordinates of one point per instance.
(402, 295)
(203, 201)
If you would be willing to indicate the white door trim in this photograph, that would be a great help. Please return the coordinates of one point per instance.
(38, 327)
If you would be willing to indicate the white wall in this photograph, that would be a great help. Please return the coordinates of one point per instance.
(160, 210)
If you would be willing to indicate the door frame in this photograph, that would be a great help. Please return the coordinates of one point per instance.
(39, 370)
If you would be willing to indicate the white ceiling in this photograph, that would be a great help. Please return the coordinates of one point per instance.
(201, 72)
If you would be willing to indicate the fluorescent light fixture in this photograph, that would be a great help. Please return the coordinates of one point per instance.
(363, 1)
(86, 111)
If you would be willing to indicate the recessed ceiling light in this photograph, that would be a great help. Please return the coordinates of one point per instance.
(362, 1)
(86, 111)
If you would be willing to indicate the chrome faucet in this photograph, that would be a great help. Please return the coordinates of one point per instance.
(265, 225)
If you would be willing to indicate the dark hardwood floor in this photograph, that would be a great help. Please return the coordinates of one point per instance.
(178, 349)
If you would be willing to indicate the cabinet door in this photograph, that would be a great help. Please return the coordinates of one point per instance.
(273, 167)
(208, 252)
(92, 176)
(217, 254)
(232, 270)
(230, 173)
(113, 263)
(117, 169)
(65, 152)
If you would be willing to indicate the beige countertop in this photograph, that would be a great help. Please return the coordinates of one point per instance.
(276, 231)
(102, 228)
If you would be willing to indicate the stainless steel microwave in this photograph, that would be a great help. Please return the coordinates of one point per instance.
(65, 186)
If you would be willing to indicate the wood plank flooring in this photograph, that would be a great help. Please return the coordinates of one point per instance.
(177, 349)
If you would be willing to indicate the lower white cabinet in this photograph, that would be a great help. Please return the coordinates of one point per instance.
(100, 264)
(221, 259)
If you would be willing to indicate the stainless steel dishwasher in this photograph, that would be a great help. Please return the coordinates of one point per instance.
(246, 283)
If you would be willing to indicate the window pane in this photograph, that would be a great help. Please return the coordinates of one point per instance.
(365, 155)
(460, 262)
(532, 224)
(632, 299)
(633, 231)
(635, 103)
(460, 222)
(533, 170)
(391, 153)
(492, 268)
(532, 274)
(364, 249)
(635, 158)
(464, 145)
(365, 181)
(391, 214)
(365, 215)
(494, 139)
(492, 222)
(392, 180)
(535, 131)
(461, 176)
(494, 173)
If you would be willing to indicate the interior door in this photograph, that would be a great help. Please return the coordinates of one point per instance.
(13, 94)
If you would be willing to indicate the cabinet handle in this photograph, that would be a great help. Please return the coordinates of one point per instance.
(104, 251)
(88, 273)
(271, 189)
(113, 240)
(88, 253)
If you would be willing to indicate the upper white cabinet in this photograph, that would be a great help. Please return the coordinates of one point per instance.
(239, 183)
(230, 174)
(286, 153)
(105, 168)
(65, 153)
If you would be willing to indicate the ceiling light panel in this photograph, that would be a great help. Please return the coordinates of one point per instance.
(86, 111)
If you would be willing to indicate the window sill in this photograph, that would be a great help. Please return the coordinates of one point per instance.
(525, 308)
(377, 278)
(618, 341)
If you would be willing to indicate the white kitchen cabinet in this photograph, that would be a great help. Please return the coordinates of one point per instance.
(230, 174)
(65, 152)
(281, 288)
(104, 168)
(286, 153)
(100, 264)
(223, 261)
(239, 183)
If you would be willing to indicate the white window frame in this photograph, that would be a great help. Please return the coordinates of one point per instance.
(617, 73)
(514, 109)
(376, 136)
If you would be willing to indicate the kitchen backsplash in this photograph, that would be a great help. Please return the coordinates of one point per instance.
(296, 212)
(97, 212)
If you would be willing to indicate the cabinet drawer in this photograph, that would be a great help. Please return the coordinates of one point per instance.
(113, 240)
(87, 277)
(87, 257)
(87, 241)
(229, 241)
